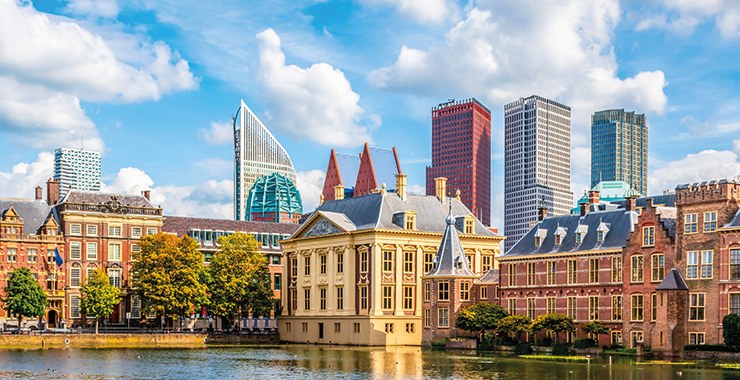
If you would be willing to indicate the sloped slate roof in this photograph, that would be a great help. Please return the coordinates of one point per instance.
(450, 259)
(33, 212)
(95, 197)
(734, 222)
(385, 165)
(490, 277)
(180, 225)
(673, 281)
(668, 200)
(619, 222)
(348, 165)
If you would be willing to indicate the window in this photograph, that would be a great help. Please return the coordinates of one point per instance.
(593, 308)
(648, 236)
(74, 306)
(427, 317)
(616, 337)
(636, 269)
(363, 297)
(410, 328)
(579, 237)
(558, 239)
(616, 308)
(92, 251)
(443, 317)
(483, 292)
(551, 267)
(465, 291)
(735, 264)
(658, 267)
(307, 265)
(617, 269)
(288, 327)
(637, 337)
(531, 267)
(512, 274)
(735, 303)
(114, 276)
(387, 297)
(410, 222)
(337, 327)
(135, 248)
(696, 306)
(470, 259)
(550, 305)
(135, 307)
(690, 223)
(427, 291)
(388, 261)
(443, 291)
(74, 277)
(531, 308)
(356, 327)
(322, 264)
(114, 230)
(511, 303)
(537, 240)
(710, 221)
(469, 224)
(428, 262)
(653, 306)
(408, 262)
(593, 270)
(693, 264)
(276, 281)
(92, 230)
(32, 255)
(571, 307)
(304, 326)
(696, 338)
(114, 251)
(135, 232)
(274, 260)
(340, 297)
(75, 250)
(322, 298)
(340, 262)
(706, 264)
(599, 235)
(636, 305)
(408, 297)
(294, 267)
(487, 263)
(151, 231)
(307, 299)
(571, 271)
(75, 229)
(363, 261)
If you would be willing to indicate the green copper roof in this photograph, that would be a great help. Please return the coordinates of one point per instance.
(274, 193)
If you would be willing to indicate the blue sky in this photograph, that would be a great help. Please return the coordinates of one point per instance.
(153, 84)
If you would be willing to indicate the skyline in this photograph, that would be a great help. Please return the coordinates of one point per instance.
(154, 85)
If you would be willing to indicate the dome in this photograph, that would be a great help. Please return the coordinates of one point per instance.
(274, 198)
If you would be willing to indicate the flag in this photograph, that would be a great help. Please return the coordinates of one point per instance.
(58, 258)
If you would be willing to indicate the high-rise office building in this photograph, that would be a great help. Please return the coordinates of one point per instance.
(257, 153)
(536, 163)
(76, 169)
(461, 152)
(619, 148)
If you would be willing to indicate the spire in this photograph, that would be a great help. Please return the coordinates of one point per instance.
(450, 259)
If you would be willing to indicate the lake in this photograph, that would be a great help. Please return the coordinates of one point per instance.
(311, 362)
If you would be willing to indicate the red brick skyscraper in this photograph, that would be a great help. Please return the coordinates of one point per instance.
(461, 152)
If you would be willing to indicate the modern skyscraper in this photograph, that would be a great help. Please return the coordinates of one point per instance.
(76, 169)
(536, 163)
(461, 152)
(256, 153)
(619, 147)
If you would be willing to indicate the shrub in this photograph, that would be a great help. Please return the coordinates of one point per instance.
(504, 340)
(546, 341)
(439, 342)
(731, 329)
(523, 349)
(584, 343)
(561, 349)
(712, 347)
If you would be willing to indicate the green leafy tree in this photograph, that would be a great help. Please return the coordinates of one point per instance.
(516, 323)
(553, 322)
(99, 297)
(168, 275)
(480, 317)
(24, 296)
(595, 327)
(731, 329)
(238, 278)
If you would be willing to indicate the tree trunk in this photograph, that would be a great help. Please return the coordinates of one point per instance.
(97, 321)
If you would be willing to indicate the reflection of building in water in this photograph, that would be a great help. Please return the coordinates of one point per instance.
(397, 363)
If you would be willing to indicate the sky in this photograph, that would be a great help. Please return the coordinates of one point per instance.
(153, 84)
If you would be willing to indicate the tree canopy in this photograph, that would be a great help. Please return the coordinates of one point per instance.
(516, 323)
(168, 274)
(99, 297)
(731, 329)
(480, 316)
(595, 327)
(553, 322)
(24, 296)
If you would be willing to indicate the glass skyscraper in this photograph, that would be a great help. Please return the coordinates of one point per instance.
(619, 147)
(76, 169)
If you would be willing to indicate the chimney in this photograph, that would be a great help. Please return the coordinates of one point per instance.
(441, 188)
(630, 203)
(338, 192)
(584, 208)
(39, 193)
(542, 212)
(593, 197)
(52, 191)
(401, 186)
(649, 203)
(146, 194)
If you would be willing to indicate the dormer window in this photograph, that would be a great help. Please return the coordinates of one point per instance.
(581, 232)
(599, 236)
(469, 224)
(537, 241)
(579, 237)
(558, 239)
(601, 232)
(539, 237)
(409, 220)
(560, 235)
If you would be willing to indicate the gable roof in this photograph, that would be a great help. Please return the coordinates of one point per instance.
(33, 212)
(490, 277)
(348, 165)
(673, 281)
(734, 222)
(450, 259)
(386, 166)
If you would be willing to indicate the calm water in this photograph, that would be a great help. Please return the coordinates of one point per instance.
(297, 362)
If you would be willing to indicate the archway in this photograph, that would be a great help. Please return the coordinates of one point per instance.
(51, 318)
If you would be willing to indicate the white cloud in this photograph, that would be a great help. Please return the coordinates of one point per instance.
(128, 181)
(703, 166)
(423, 11)
(95, 8)
(683, 16)
(310, 184)
(23, 177)
(315, 103)
(219, 133)
(736, 145)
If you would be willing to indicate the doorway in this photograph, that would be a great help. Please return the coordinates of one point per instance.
(321, 331)
(51, 319)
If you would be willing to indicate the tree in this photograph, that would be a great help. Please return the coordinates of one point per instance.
(595, 327)
(480, 317)
(516, 323)
(24, 296)
(731, 329)
(553, 322)
(238, 278)
(167, 274)
(99, 297)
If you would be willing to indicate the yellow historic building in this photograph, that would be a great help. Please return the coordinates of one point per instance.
(354, 268)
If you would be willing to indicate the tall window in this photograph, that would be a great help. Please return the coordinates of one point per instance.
(484, 293)
(710, 221)
(307, 265)
(427, 317)
(12, 255)
(572, 270)
(408, 262)
(550, 305)
(75, 250)
(735, 264)
(363, 297)
(340, 262)
(593, 308)
(322, 298)
(114, 251)
(428, 262)
(307, 298)
(465, 291)
(636, 304)
(531, 267)
(512, 274)
(74, 306)
(551, 270)
(294, 267)
(427, 291)
(408, 297)
(135, 306)
(616, 308)
(388, 261)
(114, 276)
(443, 291)
(658, 267)
(579, 237)
(593, 270)
(443, 317)
(469, 224)
(735, 303)
(387, 297)
(74, 277)
(653, 306)
(692, 264)
(690, 223)
(340, 297)
(32, 255)
(636, 269)
(511, 306)
(696, 306)
(707, 258)
(410, 221)
(571, 307)
(363, 261)
(92, 251)
(648, 236)
(276, 281)
(322, 264)
(617, 269)
(531, 308)
(486, 266)
(471, 260)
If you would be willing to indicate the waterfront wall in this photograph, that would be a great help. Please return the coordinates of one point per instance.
(102, 341)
